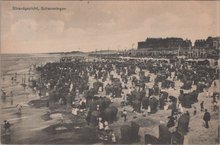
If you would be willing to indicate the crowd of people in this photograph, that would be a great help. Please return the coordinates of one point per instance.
(127, 79)
(141, 84)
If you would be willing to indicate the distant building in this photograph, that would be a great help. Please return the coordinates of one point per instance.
(216, 42)
(172, 43)
(209, 43)
(172, 47)
(206, 48)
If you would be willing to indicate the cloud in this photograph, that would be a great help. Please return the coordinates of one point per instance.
(102, 25)
(107, 25)
(51, 28)
(74, 32)
(24, 29)
(56, 26)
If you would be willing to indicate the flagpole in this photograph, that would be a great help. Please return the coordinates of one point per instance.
(179, 51)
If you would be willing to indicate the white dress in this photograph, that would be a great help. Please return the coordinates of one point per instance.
(101, 126)
(148, 109)
(181, 108)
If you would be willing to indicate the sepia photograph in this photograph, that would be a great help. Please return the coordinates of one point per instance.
(110, 72)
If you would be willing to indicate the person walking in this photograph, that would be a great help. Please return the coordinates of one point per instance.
(187, 127)
(206, 118)
(15, 78)
(19, 107)
(7, 134)
(214, 98)
(124, 114)
(11, 96)
(7, 126)
(194, 112)
(12, 80)
(207, 93)
(202, 105)
(214, 83)
(113, 139)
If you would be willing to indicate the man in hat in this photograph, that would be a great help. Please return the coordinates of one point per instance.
(206, 118)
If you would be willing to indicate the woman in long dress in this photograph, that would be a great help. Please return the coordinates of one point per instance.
(180, 107)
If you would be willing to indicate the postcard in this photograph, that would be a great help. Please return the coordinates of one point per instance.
(110, 72)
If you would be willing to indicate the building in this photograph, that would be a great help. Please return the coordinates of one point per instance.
(206, 48)
(172, 47)
(209, 43)
(171, 43)
(216, 42)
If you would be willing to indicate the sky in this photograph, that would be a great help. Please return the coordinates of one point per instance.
(101, 25)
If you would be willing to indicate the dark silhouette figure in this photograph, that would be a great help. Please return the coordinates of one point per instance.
(206, 118)
(202, 105)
